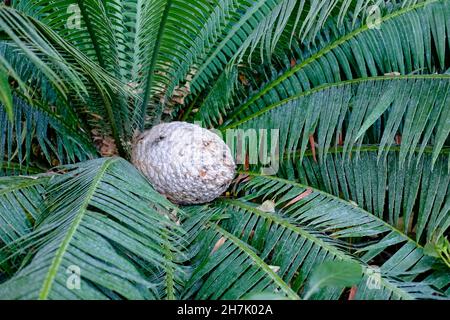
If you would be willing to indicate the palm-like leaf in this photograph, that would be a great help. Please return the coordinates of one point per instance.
(373, 184)
(49, 51)
(90, 229)
(296, 239)
(12, 168)
(20, 205)
(358, 50)
(20, 201)
(65, 73)
(239, 267)
(357, 105)
(38, 121)
(325, 216)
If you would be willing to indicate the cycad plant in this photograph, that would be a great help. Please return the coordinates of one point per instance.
(353, 97)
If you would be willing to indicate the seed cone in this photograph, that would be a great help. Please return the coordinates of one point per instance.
(186, 163)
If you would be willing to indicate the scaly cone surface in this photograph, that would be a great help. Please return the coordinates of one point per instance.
(186, 163)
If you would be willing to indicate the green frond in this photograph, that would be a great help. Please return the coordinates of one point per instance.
(36, 124)
(22, 33)
(358, 50)
(263, 23)
(84, 24)
(62, 64)
(234, 262)
(20, 206)
(71, 73)
(318, 214)
(6, 94)
(281, 243)
(218, 98)
(413, 106)
(15, 169)
(96, 215)
(414, 198)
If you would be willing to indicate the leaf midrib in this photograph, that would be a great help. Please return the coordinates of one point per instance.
(153, 63)
(242, 246)
(328, 195)
(333, 85)
(236, 27)
(321, 53)
(56, 263)
(330, 248)
(282, 222)
(399, 291)
(107, 104)
(25, 183)
(368, 148)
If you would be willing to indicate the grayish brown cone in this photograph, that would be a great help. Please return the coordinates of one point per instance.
(186, 163)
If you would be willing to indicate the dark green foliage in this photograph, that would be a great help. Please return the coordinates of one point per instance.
(361, 196)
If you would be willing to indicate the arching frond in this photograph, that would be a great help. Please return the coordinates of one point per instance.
(264, 23)
(15, 169)
(290, 244)
(413, 106)
(35, 124)
(20, 205)
(311, 209)
(241, 270)
(70, 72)
(92, 231)
(414, 197)
(54, 56)
(358, 50)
